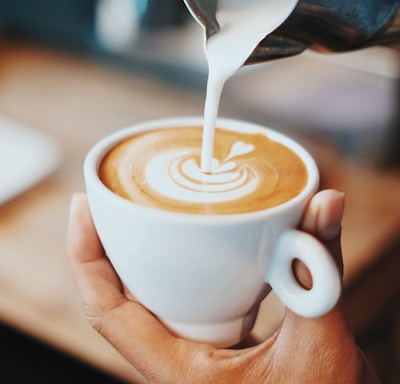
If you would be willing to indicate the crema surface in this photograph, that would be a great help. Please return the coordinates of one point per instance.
(162, 169)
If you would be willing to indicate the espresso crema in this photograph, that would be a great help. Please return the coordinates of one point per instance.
(161, 169)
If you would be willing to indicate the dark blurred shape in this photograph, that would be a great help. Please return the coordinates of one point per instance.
(27, 360)
(68, 23)
(72, 23)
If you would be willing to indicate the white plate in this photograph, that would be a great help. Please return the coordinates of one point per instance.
(26, 157)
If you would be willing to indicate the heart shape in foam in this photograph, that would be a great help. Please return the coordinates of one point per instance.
(240, 148)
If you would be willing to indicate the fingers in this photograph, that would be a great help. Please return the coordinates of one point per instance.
(96, 280)
(83, 244)
(126, 324)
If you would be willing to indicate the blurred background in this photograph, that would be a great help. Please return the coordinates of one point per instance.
(72, 71)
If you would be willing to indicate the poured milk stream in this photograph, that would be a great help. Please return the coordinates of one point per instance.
(181, 168)
(244, 24)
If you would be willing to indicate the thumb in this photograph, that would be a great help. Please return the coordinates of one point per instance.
(329, 334)
(323, 219)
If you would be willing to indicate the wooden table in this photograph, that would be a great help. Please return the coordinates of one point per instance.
(78, 101)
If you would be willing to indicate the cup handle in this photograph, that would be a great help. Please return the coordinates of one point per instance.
(326, 289)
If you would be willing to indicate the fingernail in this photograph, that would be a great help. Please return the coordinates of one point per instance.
(330, 219)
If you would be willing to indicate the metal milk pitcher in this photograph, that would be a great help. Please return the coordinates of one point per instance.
(333, 26)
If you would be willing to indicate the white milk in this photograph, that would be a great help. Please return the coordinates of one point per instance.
(244, 24)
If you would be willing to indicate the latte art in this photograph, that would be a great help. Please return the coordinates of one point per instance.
(162, 169)
(177, 175)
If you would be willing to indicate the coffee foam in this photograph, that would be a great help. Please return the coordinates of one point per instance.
(161, 169)
(178, 175)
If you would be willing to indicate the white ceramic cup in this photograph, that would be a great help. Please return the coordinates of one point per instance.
(204, 276)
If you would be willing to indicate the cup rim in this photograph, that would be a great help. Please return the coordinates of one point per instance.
(98, 151)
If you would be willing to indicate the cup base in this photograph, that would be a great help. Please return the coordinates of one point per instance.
(220, 335)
